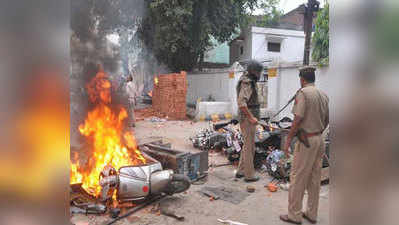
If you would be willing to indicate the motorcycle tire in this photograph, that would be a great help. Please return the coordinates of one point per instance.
(178, 184)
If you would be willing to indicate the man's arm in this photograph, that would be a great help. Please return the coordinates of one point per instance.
(299, 112)
(294, 128)
(248, 114)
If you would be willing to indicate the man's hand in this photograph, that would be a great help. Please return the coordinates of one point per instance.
(291, 134)
(249, 115)
(253, 120)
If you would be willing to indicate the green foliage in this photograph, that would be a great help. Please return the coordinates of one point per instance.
(178, 32)
(321, 38)
(270, 14)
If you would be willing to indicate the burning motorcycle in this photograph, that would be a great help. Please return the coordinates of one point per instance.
(128, 184)
(135, 183)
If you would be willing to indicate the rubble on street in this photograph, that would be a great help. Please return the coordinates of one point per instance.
(192, 203)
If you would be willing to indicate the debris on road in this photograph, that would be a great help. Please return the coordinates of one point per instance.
(148, 112)
(155, 119)
(272, 187)
(167, 212)
(226, 194)
(89, 209)
(212, 196)
(284, 186)
(137, 208)
(251, 189)
(114, 212)
(230, 222)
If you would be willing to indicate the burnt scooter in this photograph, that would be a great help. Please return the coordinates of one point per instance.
(136, 183)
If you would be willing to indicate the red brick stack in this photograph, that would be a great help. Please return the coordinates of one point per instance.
(169, 95)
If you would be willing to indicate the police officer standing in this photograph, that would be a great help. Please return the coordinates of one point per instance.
(312, 115)
(249, 109)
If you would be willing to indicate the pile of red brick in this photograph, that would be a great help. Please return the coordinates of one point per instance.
(169, 95)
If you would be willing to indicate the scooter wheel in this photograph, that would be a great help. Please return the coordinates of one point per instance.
(178, 184)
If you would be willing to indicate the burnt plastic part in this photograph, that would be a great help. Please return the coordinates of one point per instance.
(189, 164)
(272, 138)
(114, 212)
(221, 125)
(178, 184)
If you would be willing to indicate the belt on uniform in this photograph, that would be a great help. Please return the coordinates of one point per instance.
(308, 135)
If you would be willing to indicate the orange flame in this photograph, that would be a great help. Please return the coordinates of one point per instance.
(103, 128)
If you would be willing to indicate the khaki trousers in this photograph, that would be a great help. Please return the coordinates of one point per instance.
(306, 175)
(246, 165)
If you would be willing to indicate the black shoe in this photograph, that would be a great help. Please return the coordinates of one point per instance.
(254, 179)
(239, 175)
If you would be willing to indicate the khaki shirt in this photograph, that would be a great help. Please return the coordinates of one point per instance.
(245, 92)
(311, 105)
(247, 96)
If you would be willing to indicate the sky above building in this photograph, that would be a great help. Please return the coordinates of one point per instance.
(288, 5)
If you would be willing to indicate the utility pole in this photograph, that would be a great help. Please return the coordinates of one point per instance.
(311, 7)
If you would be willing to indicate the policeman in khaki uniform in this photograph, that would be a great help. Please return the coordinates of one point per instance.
(249, 109)
(312, 115)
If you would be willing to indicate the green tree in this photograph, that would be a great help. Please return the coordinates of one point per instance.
(321, 37)
(270, 14)
(178, 32)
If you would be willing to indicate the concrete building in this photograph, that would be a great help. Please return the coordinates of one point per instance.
(268, 44)
(218, 54)
(280, 48)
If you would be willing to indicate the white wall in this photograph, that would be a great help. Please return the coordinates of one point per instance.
(285, 85)
(280, 88)
(204, 85)
(292, 44)
(218, 84)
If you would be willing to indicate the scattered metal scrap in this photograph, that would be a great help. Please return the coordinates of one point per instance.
(137, 208)
(268, 142)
